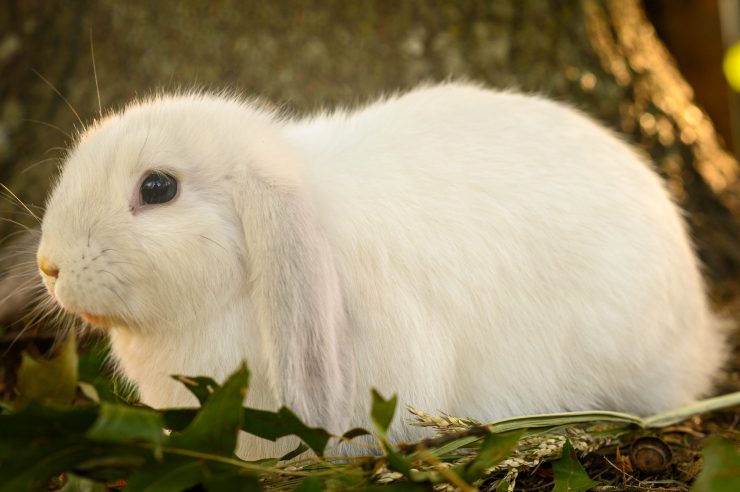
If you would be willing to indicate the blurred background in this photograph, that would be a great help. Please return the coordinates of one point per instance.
(659, 72)
(651, 70)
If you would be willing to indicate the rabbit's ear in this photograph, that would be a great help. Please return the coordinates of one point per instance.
(298, 302)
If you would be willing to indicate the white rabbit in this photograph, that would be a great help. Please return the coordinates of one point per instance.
(482, 253)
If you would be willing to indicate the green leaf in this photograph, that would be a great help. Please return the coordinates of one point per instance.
(52, 382)
(569, 473)
(454, 445)
(175, 474)
(494, 449)
(30, 469)
(356, 432)
(200, 386)
(93, 359)
(302, 448)
(96, 380)
(396, 461)
(213, 430)
(274, 425)
(35, 421)
(589, 417)
(311, 484)
(216, 426)
(40, 442)
(220, 477)
(126, 424)
(687, 411)
(721, 472)
(80, 484)
(550, 420)
(503, 485)
(382, 412)
(397, 487)
(178, 419)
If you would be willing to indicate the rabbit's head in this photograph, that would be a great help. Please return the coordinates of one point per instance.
(179, 208)
(142, 223)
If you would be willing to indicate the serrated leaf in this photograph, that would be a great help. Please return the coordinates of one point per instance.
(178, 419)
(51, 382)
(382, 412)
(494, 449)
(569, 474)
(175, 474)
(212, 429)
(125, 424)
(721, 472)
(37, 421)
(41, 442)
(201, 387)
(356, 432)
(113, 462)
(216, 426)
(274, 425)
(302, 448)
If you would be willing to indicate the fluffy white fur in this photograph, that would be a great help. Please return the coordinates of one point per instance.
(481, 253)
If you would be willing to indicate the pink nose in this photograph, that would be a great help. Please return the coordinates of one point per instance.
(49, 270)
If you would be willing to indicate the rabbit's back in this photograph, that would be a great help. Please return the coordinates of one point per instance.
(506, 255)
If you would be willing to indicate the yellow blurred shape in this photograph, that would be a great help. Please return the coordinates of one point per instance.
(731, 66)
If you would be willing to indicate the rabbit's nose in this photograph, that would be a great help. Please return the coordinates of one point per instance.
(48, 269)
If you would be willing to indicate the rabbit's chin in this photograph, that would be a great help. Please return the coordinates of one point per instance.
(101, 321)
(97, 320)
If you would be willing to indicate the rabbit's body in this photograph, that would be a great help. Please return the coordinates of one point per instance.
(479, 253)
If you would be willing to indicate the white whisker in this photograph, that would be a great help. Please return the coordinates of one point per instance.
(50, 126)
(38, 163)
(69, 105)
(16, 223)
(95, 74)
(20, 202)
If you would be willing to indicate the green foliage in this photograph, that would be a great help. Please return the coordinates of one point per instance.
(494, 449)
(79, 484)
(569, 473)
(274, 425)
(122, 424)
(52, 382)
(103, 442)
(95, 382)
(721, 472)
(382, 412)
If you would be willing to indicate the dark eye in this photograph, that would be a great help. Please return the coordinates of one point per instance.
(158, 187)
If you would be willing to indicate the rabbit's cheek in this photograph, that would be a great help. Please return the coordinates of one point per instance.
(87, 283)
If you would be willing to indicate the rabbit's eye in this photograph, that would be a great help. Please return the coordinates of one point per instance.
(158, 187)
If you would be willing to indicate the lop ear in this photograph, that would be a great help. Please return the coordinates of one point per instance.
(298, 302)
